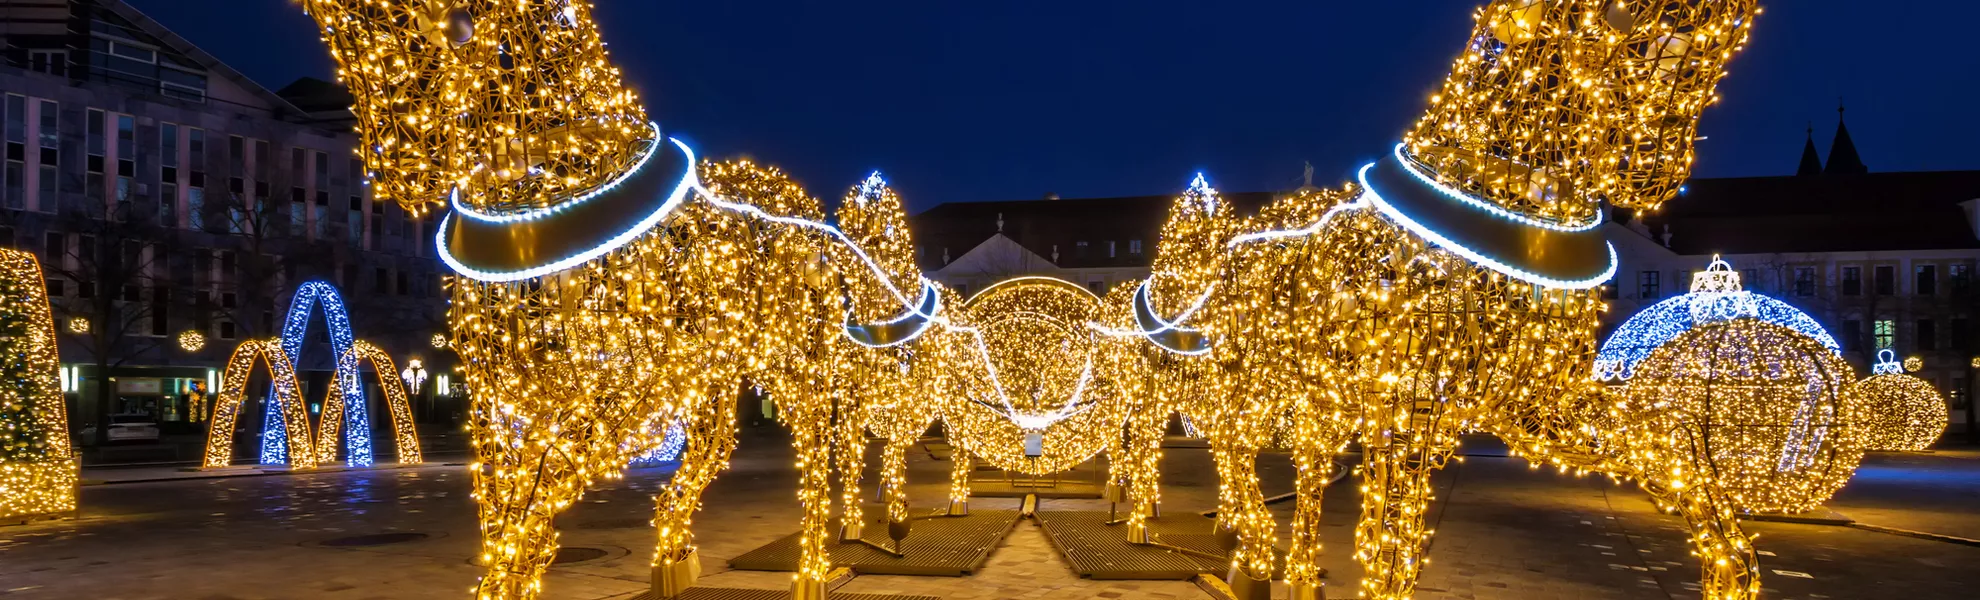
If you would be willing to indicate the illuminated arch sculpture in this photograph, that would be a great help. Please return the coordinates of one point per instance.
(286, 398)
(350, 378)
(295, 332)
(38, 467)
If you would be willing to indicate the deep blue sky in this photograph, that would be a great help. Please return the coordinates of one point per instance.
(1012, 99)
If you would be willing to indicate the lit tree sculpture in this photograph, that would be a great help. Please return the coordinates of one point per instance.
(37, 465)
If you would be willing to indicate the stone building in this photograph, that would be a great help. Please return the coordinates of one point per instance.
(169, 196)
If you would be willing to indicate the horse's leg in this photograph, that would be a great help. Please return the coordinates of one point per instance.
(850, 437)
(1313, 457)
(1391, 538)
(814, 456)
(959, 469)
(1241, 513)
(711, 439)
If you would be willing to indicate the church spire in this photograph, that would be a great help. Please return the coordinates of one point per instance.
(1811, 163)
(1843, 159)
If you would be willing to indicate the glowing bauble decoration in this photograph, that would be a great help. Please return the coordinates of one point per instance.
(439, 340)
(1913, 364)
(1768, 410)
(1618, 16)
(1716, 294)
(191, 340)
(1905, 413)
(79, 325)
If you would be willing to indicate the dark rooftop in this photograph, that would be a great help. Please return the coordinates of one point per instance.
(1039, 225)
(1825, 213)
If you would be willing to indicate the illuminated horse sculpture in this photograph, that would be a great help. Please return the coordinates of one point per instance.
(1453, 286)
(607, 283)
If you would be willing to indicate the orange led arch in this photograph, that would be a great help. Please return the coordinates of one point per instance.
(395, 400)
(233, 388)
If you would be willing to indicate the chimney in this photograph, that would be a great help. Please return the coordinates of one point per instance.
(1667, 235)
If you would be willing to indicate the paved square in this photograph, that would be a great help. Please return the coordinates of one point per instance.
(1504, 531)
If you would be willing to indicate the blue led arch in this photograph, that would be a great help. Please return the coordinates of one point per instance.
(295, 330)
(668, 451)
(1716, 296)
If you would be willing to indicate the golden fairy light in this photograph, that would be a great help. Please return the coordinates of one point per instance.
(191, 340)
(38, 467)
(287, 397)
(1331, 316)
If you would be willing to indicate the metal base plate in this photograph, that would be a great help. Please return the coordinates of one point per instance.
(1100, 551)
(940, 546)
(1083, 481)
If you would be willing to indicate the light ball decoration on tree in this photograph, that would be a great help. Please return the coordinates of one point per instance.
(439, 340)
(1768, 410)
(1902, 413)
(191, 340)
(1912, 364)
(79, 325)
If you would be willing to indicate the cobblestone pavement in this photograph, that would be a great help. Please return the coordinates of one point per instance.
(1504, 532)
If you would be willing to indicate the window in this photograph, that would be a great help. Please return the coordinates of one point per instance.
(226, 330)
(51, 154)
(1960, 275)
(1961, 333)
(1925, 280)
(1852, 331)
(377, 228)
(1885, 334)
(354, 221)
(1611, 292)
(1852, 281)
(55, 288)
(1927, 337)
(401, 284)
(1110, 249)
(1098, 287)
(1079, 249)
(1648, 284)
(160, 305)
(298, 210)
(6, 237)
(1134, 247)
(16, 153)
(95, 143)
(1886, 280)
(378, 279)
(1804, 281)
(54, 250)
(126, 161)
(1957, 394)
(52, 62)
(196, 184)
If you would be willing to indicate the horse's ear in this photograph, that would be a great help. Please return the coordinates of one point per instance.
(448, 96)
(1669, 60)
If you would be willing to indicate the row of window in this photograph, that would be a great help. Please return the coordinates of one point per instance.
(1925, 281)
(111, 167)
(1924, 335)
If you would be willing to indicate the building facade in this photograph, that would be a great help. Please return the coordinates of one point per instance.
(171, 198)
(1882, 260)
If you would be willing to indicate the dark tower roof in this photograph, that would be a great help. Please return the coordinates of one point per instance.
(1811, 163)
(1843, 159)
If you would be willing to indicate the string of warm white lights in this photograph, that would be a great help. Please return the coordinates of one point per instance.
(38, 467)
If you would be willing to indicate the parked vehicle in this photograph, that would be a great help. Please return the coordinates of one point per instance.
(133, 428)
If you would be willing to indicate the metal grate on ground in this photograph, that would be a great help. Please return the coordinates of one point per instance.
(938, 546)
(1097, 550)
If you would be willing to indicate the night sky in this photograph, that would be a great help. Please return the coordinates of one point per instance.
(1012, 99)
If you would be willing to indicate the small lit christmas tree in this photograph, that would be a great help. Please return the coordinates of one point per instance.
(37, 466)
